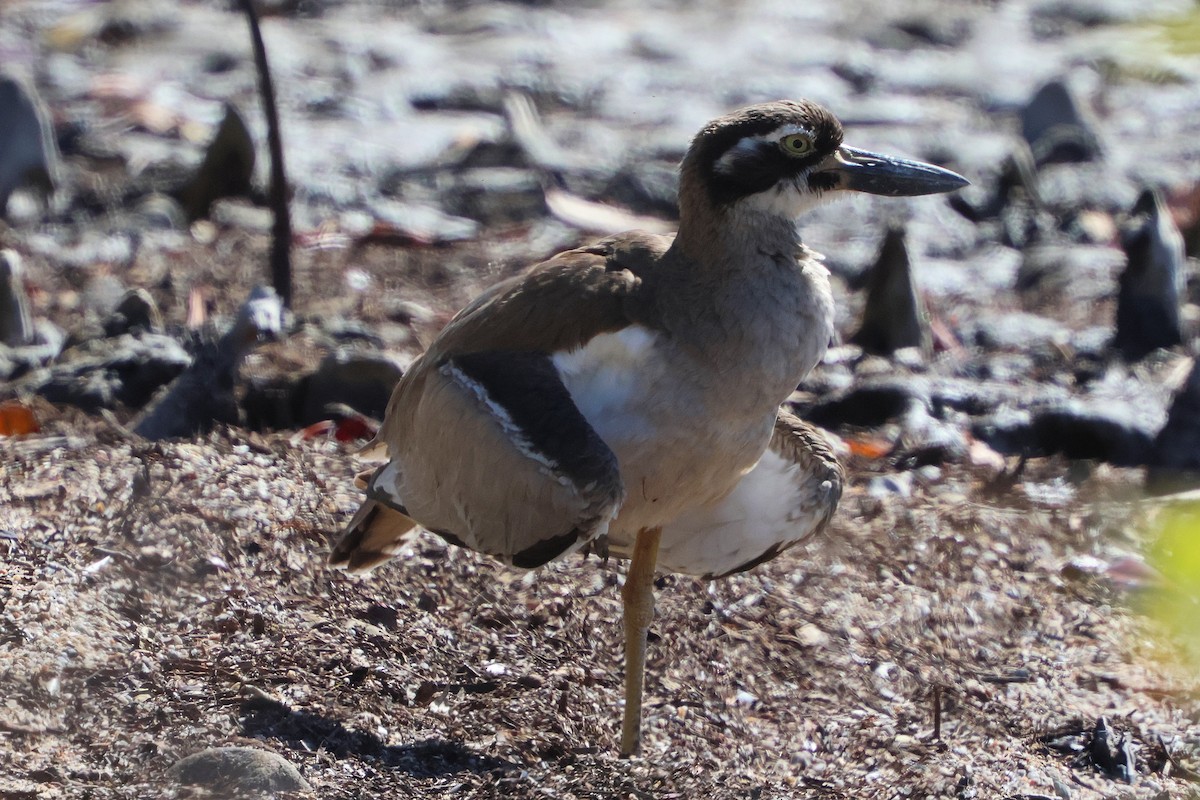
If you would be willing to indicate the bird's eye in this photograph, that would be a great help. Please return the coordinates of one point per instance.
(797, 144)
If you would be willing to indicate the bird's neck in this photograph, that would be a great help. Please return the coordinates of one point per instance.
(734, 239)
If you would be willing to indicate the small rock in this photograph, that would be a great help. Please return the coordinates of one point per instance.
(228, 771)
(864, 405)
(28, 154)
(361, 380)
(161, 212)
(496, 196)
(16, 323)
(105, 373)
(1120, 433)
(810, 635)
(1056, 129)
(899, 485)
(1152, 286)
(136, 310)
(226, 171)
(408, 311)
(239, 213)
(1175, 457)
(894, 317)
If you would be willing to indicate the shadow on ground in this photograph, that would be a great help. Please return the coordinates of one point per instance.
(262, 717)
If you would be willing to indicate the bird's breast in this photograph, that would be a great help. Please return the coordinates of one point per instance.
(662, 414)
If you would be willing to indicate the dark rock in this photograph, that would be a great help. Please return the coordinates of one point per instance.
(1152, 286)
(496, 196)
(1055, 127)
(871, 402)
(894, 316)
(460, 97)
(383, 616)
(28, 154)
(136, 311)
(236, 771)
(105, 373)
(16, 323)
(937, 29)
(1057, 18)
(867, 406)
(858, 72)
(1175, 458)
(1106, 430)
(218, 62)
(226, 171)
(1096, 428)
(361, 380)
(116, 24)
(651, 187)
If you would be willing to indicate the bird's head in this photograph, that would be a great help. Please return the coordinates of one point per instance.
(785, 157)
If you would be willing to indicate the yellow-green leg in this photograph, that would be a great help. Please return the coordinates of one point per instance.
(638, 594)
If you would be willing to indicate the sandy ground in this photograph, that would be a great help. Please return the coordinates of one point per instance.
(160, 599)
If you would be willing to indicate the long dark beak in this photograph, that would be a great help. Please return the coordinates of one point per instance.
(862, 171)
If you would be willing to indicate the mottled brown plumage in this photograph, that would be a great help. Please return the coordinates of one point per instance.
(631, 389)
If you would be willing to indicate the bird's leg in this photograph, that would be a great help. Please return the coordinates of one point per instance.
(638, 594)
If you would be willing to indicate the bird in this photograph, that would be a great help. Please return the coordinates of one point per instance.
(627, 394)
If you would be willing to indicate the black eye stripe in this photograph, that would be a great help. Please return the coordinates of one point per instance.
(749, 170)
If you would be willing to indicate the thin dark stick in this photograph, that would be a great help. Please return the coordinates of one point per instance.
(937, 712)
(281, 228)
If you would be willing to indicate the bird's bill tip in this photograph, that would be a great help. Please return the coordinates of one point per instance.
(874, 173)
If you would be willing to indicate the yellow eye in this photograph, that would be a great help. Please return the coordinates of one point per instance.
(797, 144)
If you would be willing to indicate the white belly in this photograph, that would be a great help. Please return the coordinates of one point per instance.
(658, 412)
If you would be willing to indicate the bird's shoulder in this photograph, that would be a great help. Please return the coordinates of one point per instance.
(561, 303)
(554, 306)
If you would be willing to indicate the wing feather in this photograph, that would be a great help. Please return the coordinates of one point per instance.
(486, 447)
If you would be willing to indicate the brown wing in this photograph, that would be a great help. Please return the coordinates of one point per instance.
(486, 446)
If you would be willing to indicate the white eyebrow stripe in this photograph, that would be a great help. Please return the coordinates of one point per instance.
(726, 164)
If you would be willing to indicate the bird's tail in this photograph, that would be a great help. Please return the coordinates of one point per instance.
(376, 533)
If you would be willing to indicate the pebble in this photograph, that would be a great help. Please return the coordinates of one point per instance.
(231, 771)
